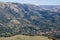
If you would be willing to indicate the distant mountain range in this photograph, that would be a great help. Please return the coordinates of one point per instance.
(28, 19)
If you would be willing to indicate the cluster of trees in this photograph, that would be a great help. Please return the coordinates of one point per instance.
(10, 31)
(54, 37)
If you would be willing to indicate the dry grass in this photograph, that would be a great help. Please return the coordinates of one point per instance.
(22, 37)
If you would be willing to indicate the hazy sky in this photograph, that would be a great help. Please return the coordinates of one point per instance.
(38, 2)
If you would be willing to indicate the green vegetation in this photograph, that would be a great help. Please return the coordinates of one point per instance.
(29, 19)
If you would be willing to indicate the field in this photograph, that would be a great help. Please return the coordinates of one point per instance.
(23, 37)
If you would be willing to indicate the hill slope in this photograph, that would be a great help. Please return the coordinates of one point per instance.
(29, 19)
(22, 37)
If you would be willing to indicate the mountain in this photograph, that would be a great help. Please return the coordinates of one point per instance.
(28, 19)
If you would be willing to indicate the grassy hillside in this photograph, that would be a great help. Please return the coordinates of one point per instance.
(22, 37)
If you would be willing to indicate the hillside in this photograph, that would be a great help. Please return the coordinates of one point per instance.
(22, 37)
(28, 19)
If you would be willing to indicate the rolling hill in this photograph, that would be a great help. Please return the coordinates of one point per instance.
(22, 37)
(28, 19)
